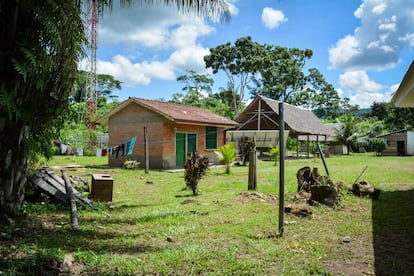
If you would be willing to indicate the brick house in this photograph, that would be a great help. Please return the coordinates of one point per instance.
(173, 130)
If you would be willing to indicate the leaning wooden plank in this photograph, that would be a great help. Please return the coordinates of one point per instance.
(74, 210)
(58, 185)
(48, 189)
(79, 196)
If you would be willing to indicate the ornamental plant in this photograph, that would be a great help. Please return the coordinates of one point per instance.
(226, 154)
(273, 153)
(195, 167)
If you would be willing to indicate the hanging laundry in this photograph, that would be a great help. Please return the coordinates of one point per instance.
(63, 148)
(122, 149)
(104, 151)
(117, 150)
(130, 146)
(98, 152)
(78, 151)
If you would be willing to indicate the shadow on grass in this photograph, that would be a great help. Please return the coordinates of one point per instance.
(393, 232)
(47, 238)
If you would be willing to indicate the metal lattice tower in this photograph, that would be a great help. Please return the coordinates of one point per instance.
(91, 99)
(92, 32)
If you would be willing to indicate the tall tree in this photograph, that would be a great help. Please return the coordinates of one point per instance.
(395, 118)
(321, 96)
(273, 71)
(105, 86)
(197, 87)
(198, 92)
(41, 45)
(281, 72)
(238, 62)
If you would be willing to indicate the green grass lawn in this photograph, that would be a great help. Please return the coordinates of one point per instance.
(156, 227)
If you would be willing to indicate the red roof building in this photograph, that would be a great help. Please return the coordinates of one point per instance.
(173, 131)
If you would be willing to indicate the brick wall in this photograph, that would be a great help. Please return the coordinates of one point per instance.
(130, 122)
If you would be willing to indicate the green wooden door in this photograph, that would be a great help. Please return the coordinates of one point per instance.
(179, 149)
(184, 143)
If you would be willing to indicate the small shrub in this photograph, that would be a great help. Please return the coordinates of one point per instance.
(227, 154)
(195, 167)
(377, 145)
(274, 153)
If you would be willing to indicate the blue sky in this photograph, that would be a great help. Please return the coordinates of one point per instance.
(362, 47)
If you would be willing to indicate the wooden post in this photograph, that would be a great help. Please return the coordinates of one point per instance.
(146, 150)
(252, 171)
(71, 198)
(297, 147)
(281, 167)
(323, 159)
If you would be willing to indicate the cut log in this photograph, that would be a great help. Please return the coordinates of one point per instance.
(304, 179)
(363, 188)
(71, 197)
(325, 194)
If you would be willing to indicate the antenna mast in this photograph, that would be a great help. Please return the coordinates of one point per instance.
(91, 95)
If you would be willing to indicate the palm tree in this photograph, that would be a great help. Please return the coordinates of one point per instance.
(227, 154)
(42, 42)
(347, 133)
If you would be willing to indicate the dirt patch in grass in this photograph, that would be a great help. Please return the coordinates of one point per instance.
(246, 197)
(351, 256)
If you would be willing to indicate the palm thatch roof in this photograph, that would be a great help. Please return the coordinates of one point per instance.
(263, 114)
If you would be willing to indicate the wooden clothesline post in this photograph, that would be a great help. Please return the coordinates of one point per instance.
(146, 157)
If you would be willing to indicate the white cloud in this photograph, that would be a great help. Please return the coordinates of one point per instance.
(385, 31)
(133, 74)
(363, 91)
(380, 8)
(272, 18)
(357, 82)
(366, 99)
(145, 30)
(189, 58)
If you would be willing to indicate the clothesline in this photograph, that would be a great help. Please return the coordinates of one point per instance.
(124, 149)
(66, 149)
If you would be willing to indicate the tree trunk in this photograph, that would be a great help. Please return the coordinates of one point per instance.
(13, 168)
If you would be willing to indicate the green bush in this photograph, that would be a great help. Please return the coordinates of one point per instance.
(377, 145)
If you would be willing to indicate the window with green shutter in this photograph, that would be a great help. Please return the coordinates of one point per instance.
(211, 138)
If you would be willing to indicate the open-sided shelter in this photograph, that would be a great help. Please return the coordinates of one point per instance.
(262, 114)
(172, 131)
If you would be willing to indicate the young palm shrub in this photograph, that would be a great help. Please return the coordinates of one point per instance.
(274, 153)
(195, 167)
(227, 154)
